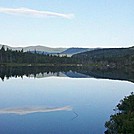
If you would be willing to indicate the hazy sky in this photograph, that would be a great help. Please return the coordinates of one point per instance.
(65, 23)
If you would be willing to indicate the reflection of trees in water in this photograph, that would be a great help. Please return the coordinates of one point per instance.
(118, 74)
(108, 73)
(7, 72)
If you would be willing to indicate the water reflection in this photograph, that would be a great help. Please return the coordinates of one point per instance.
(91, 101)
(72, 72)
(30, 110)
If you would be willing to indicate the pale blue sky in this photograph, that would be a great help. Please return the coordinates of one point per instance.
(96, 23)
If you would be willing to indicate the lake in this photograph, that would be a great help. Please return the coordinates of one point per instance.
(59, 101)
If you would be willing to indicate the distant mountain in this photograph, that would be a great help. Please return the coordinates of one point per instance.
(37, 48)
(73, 50)
(106, 53)
(47, 50)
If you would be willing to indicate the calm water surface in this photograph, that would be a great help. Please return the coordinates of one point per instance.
(58, 105)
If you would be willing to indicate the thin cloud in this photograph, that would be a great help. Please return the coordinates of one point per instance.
(35, 13)
(30, 110)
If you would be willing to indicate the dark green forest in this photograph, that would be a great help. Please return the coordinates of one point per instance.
(19, 57)
(101, 58)
(122, 122)
(110, 57)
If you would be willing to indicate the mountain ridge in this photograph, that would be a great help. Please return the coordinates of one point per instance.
(33, 48)
(49, 50)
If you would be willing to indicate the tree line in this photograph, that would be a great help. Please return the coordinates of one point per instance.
(105, 58)
(111, 57)
(18, 56)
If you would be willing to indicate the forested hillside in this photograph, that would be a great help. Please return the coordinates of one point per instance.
(110, 56)
(16, 57)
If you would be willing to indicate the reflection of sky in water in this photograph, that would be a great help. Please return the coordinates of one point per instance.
(92, 100)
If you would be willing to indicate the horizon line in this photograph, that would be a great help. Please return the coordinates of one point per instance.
(41, 45)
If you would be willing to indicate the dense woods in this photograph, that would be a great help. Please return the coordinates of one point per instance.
(112, 57)
(9, 56)
(123, 121)
(101, 58)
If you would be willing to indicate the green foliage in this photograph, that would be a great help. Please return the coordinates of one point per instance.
(123, 121)
(109, 58)
(19, 57)
(114, 57)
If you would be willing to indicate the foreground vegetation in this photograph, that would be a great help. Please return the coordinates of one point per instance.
(123, 121)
